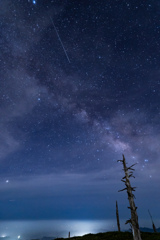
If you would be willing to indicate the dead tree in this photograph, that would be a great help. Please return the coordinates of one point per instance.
(154, 227)
(69, 235)
(134, 217)
(117, 215)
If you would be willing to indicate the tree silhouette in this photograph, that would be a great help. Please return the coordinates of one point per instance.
(117, 215)
(134, 217)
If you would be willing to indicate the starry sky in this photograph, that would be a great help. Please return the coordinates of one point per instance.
(79, 87)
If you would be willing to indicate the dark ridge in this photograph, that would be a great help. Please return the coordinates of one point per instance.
(116, 236)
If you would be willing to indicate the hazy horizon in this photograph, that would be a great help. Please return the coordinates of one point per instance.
(29, 229)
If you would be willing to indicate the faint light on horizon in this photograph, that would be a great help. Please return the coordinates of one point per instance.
(82, 227)
(19, 237)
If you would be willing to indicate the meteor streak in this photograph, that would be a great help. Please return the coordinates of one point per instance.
(60, 41)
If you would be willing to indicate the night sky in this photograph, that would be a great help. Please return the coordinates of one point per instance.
(79, 87)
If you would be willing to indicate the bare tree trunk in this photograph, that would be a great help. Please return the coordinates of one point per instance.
(134, 217)
(154, 227)
(117, 215)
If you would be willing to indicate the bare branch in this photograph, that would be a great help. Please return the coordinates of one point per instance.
(122, 190)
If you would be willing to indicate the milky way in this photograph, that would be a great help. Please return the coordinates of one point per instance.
(72, 101)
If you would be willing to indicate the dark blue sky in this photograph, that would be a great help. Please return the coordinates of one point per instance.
(79, 86)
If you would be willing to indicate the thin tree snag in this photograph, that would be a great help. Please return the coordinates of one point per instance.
(134, 216)
(117, 215)
(154, 227)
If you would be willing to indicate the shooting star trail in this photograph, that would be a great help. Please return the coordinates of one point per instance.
(60, 41)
